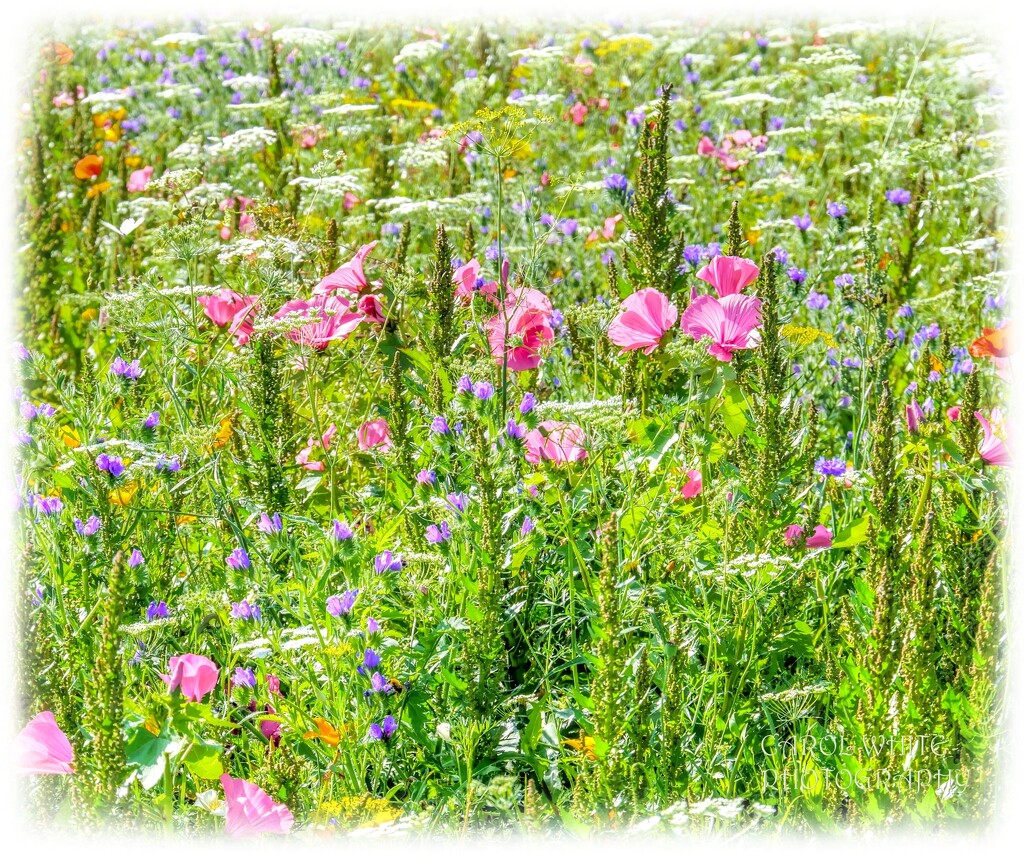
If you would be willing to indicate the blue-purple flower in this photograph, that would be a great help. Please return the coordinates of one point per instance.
(341, 606)
(835, 467)
(238, 559)
(384, 730)
(129, 370)
(270, 524)
(387, 562)
(156, 611)
(898, 196)
(437, 534)
(341, 531)
(111, 465)
(244, 611)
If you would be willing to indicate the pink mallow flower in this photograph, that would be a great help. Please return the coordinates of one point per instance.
(42, 748)
(226, 307)
(728, 274)
(731, 322)
(648, 315)
(374, 434)
(250, 810)
(195, 675)
(334, 320)
(992, 449)
(555, 441)
(521, 328)
(349, 276)
(694, 484)
(138, 180)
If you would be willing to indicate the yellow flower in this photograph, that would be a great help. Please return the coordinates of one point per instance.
(224, 431)
(584, 745)
(89, 314)
(96, 189)
(123, 494)
(411, 104)
(69, 436)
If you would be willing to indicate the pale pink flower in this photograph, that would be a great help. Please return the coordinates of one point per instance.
(730, 322)
(334, 320)
(793, 534)
(350, 200)
(42, 748)
(694, 484)
(578, 113)
(992, 449)
(64, 99)
(728, 274)
(138, 180)
(226, 307)
(302, 458)
(555, 441)
(349, 276)
(521, 328)
(251, 810)
(608, 230)
(647, 316)
(374, 434)
(195, 675)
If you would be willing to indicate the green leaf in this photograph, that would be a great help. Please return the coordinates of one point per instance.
(854, 535)
(203, 760)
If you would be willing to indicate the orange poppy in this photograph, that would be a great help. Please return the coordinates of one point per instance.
(994, 343)
(88, 167)
(60, 51)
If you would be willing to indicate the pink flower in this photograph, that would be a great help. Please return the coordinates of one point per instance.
(64, 99)
(555, 441)
(466, 278)
(251, 810)
(578, 113)
(953, 413)
(138, 180)
(992, 449)
(227, 307)
(195, 675)
(350, 200)
(730, 322)
(694, 484)
(915, 415)
(349, 276)
(728, 274)
(608, 230)
(271, 729)
(706, 147)
(648, 315)
(370, 308)
(521, 327)
(820, 539)
(334, 320)
(792, 534)
(302, 458)
(374, 434)
(42, 748)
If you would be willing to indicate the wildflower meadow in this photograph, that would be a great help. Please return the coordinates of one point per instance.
(510, 429)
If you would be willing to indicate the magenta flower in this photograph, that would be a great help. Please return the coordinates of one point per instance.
(555, 441)
(195, 675)
(820, 539)
(647, 316)
(42, 748)
(520, 329)
(914, 416)
(251, 810)
(728, 274)
(694, 484)
(374, 434)
(731, 322)
(992, 449)
(228, 308)
(349, 276)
